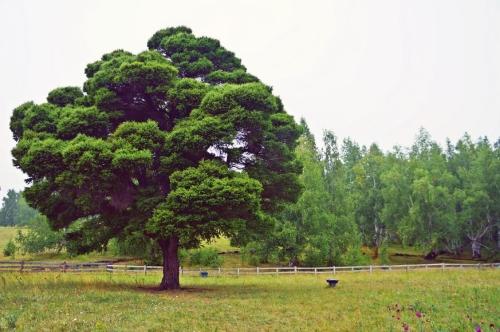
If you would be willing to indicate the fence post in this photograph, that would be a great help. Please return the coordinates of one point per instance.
(182, 270)
(258, 270)
(277, 271)
(315, 271)
(442, 266)
(238, 271)
(371, 269)
(334, 269)
(406, 267)
(22, 266)
(145, 269)
(219, 270)
(295, 269)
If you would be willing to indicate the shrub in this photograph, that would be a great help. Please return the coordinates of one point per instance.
(40, 237)
(10, 249)
(136, 244)
(208, 257)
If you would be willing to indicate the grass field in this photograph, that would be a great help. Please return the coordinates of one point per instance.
(383, 301)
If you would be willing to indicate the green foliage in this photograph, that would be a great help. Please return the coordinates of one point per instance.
(39, 237)
(439, 202)
(10, 209)
(205, 257)
(313, 231)
(206, 202)
(15, 210)
(65, 96)
(10, 249)
(159, 144)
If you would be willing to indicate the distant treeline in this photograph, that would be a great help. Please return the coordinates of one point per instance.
(440, 200)
(15, 211)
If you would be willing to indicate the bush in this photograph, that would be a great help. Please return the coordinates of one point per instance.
(40, 237)
(251, 254)
(208, 257)
(10, 249)
(255, 253)
(136, 244)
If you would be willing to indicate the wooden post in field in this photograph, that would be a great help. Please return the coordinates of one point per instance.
(334, 269)
(145, 269)
(277, 271)
(315, 271)
(371, 269)
(22, 266)
(219, 270)
(295, 269)
(258, 270)
(442, 266)
(238, 272)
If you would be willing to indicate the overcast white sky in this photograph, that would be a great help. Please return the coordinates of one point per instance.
(372, 70)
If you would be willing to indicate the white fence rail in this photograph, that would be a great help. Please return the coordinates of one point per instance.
(21, 266)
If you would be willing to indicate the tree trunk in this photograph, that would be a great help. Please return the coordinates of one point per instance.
(476, 248)
(170, 250)
(496, 236)
(375, 251)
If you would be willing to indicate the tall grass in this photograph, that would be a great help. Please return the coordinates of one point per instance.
(382, 301)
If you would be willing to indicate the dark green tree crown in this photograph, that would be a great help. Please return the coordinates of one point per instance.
(178, 140)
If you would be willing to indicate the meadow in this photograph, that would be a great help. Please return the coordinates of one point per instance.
(382, 301)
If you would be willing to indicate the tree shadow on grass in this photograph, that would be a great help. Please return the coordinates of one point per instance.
(147, 285)
(225, 290)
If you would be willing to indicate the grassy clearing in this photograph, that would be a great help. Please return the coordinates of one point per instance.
(383, 301)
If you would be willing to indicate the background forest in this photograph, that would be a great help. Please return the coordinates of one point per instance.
(356, 202)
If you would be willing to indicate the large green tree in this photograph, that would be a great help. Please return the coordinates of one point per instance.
(369, 199)
(178, 142)
(477, 192)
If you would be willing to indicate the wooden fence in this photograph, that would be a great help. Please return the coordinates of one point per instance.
(21, 266)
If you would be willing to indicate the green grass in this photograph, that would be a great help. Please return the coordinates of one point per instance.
(221, 244)
(449, 301)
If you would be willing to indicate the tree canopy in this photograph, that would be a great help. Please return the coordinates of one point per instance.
(178, 141)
